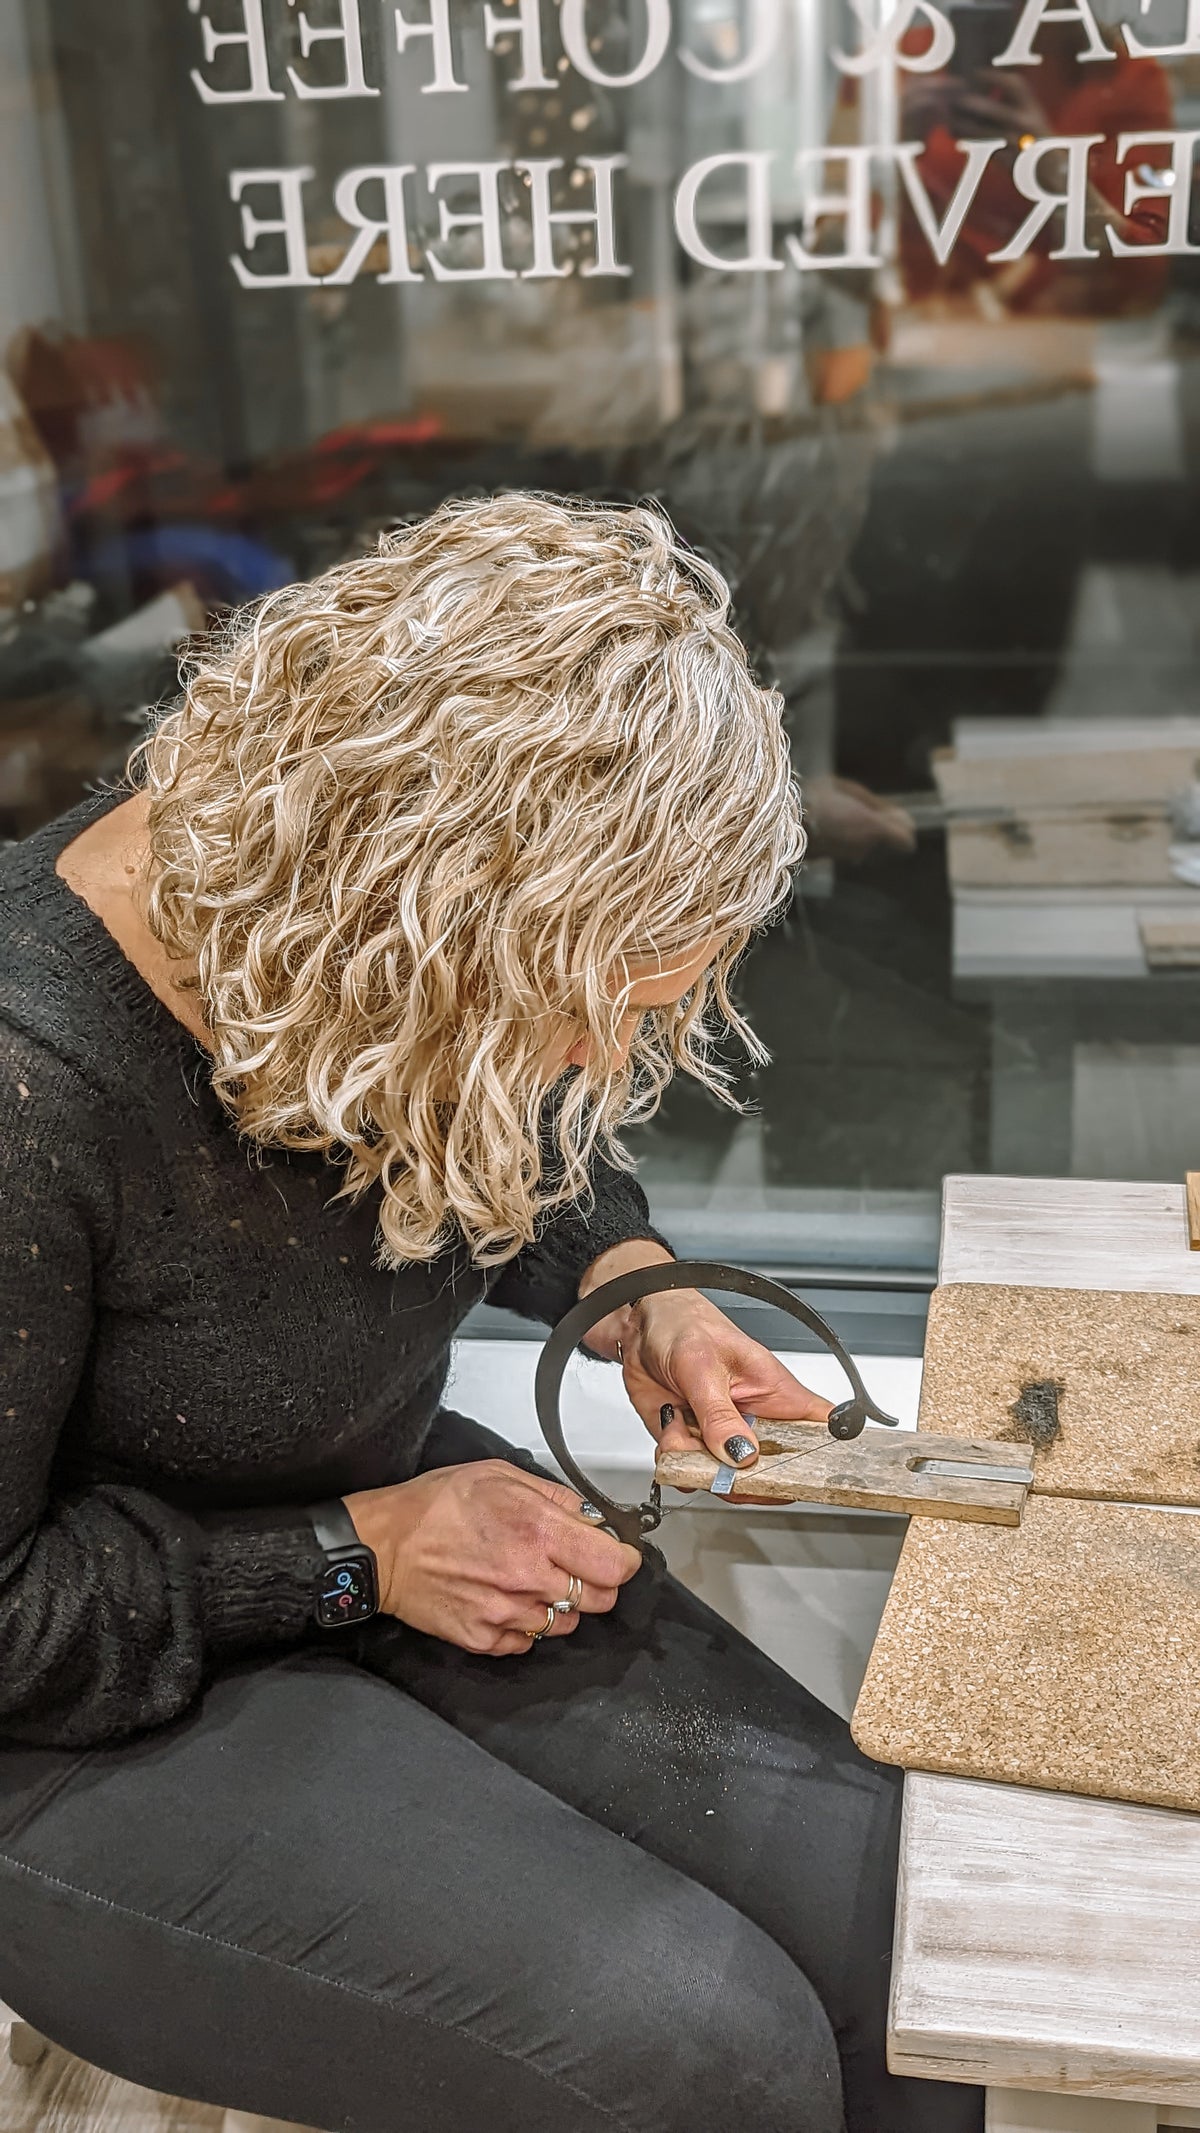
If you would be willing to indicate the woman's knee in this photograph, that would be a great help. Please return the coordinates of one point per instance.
(735, 2030)
(778, 2054)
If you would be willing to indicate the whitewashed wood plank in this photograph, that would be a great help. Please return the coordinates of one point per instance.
(1018, 2111)
(21, 2090)
(1047, 1940)
(1084, 939)
(61, 2094)
(77, 2095)
(1068, 1233)
(1174, 902)
(82, 2097)
(983, 740)
(26, 2045)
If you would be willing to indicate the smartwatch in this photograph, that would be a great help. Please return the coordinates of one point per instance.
(347, 1589)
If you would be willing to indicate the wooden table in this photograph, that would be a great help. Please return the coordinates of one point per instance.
(1048, 1946)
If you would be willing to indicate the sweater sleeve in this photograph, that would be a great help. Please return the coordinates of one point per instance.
(111, 1600)
(542, 1280)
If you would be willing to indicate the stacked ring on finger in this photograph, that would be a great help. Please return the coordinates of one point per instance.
(534, 1634)
(570, 1605)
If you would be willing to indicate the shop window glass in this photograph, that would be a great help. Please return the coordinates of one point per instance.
(897, 310)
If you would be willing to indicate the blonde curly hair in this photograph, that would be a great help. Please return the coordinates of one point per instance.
(414, 814)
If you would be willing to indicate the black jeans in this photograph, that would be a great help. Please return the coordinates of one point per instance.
(639, 1880)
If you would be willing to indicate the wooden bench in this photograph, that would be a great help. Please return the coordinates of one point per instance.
(1048, 1946)
(44, 2089)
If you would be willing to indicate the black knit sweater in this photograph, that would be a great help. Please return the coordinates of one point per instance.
(193, 1344)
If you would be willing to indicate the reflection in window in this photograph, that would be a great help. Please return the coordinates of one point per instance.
(896, 313)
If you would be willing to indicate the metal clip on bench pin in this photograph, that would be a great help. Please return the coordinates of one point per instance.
(632, 1522)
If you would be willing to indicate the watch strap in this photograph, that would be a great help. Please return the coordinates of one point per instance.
(334, 1526)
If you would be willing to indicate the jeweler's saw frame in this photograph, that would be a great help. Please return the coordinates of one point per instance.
(799, 1462)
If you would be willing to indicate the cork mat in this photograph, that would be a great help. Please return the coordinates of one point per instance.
(1063, 1653)
(1128, 1372)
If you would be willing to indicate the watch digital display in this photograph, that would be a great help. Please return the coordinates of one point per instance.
(345, 1594)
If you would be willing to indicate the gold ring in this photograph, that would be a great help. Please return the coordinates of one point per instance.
(534, 1634)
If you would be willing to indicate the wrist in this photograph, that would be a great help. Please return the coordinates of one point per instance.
(374, 1521)
(346, 1589)
(616, 1332)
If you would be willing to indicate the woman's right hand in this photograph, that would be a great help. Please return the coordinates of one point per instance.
(475, 1554)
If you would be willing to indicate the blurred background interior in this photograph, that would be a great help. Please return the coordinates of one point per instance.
(955, 505)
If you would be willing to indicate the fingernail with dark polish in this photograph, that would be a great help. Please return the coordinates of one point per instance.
(739, 1449)
(590, 1510)
(666, 1415)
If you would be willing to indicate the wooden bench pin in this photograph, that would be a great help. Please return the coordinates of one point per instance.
(916, 1474)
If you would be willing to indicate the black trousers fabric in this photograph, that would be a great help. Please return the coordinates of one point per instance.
(640, 1879)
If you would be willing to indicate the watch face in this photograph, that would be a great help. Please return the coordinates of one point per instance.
(346, 1594)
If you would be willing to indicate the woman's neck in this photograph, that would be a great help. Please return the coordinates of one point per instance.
(106, 866)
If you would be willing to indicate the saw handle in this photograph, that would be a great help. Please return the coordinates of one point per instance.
(632, 1522)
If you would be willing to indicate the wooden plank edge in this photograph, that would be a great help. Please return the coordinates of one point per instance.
(1067, 2070)
(998, 1503)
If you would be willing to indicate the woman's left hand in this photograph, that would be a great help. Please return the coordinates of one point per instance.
(682, 1352)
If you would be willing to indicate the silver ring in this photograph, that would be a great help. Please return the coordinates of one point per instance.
(620, 1354)
(574, 1595)
(534, 1634)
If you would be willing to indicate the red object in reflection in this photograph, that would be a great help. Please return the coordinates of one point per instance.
(333, 465)
(1108, 97)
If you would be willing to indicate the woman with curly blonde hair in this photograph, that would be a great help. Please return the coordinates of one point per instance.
(433, 877)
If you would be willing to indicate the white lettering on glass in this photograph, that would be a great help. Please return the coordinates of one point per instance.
(487, 221)
(289, 226)
(1183, 150)
(765, 18)
(882, 46)
(526, 24)
(759, 257)
(1077, 148)
(437, 29)
(1019, 51)
(573, 31)
(254, 37)
(730, 193)
(853, 204)
(546, 218)
(1191, 36)
(942, 237)
(391, 228)
(348, 32)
